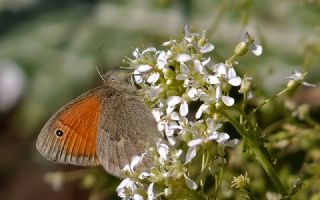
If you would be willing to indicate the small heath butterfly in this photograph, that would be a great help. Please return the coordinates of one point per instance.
(107, 125)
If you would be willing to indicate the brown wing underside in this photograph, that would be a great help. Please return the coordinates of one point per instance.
(127, 129)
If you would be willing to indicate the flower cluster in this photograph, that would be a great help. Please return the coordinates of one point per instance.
(186, 91)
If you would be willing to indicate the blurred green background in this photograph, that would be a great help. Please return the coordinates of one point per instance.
(50, 52)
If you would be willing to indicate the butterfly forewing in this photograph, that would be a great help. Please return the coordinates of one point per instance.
(70, 134)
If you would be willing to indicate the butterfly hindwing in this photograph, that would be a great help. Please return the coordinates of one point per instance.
(127, 128)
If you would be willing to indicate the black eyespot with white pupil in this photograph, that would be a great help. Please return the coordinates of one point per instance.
(59, 132)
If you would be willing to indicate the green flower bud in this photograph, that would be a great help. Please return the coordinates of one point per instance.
(241, 49)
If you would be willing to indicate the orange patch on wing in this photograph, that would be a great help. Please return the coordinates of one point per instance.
(82, 122)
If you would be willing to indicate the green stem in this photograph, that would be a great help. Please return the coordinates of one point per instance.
(268, 100)
(266, 165)
(259, 152)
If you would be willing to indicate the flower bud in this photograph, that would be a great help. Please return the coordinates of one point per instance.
(241, 49)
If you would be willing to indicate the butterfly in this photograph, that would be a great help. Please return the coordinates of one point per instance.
(105, 126)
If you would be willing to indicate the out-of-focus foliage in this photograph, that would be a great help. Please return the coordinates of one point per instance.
(58, 46)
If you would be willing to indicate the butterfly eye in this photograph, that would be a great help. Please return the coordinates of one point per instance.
(59, 132)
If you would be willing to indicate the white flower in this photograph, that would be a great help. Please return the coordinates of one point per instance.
(127, 190)
(210, 134)
(255, 48)
(297, 76)
(223, 75)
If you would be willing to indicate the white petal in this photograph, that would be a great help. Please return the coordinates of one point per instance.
(178, 153)
(235, 81)
(174, 116)
(228, 101)
(195, 142)
(150, 192)
(169, 109)
(169, 132)
(156, 114)
(218, 93)
(207, 48)
(200, 110)
(126, 168)
(144, 175)
(124, 183)
(184, 68)
(213, 136)
(169, 43)
(256, 49)
(184, 109)
(213, 79)
(192, 93)
(190, 183)
(136, 160)
(231, 73)
(308, 84)
(206, 61)
(221, 69)
(162, 59)
(232, 143)
(183, 57)
(223, 137)
(198, 67)
(173, 100)
(192, 152)
(152, 79)
(136, 53)
(171, 140)
(163, 151)
(150, 49)
(137, 77)
(137, 197)
(161, 126)
(143, 68)
(175, 127)
(181, 77)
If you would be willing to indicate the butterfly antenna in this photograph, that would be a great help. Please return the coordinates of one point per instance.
(100, 74)
(100, 62)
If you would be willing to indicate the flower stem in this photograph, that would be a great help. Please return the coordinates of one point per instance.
(258, 151)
